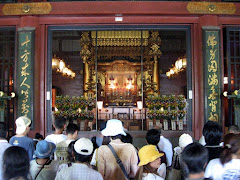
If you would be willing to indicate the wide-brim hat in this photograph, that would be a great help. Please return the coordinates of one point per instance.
(44, 149)
(21, 124)
(147, 154)
(113, 128)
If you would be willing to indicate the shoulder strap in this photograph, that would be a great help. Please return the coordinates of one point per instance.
(118, 161)
(42, 168)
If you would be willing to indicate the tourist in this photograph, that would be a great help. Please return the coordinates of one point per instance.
(43, 167)
(38, 137)
(166, 146)
(16, 164)
(99, 138)
(62, 147)
(153, 137)
(184, 140)
(23, 124)
(3, 144)
(106, 161)
(228, 165)
(195, 158)
(150, 164)
(70, 157)
(212, 132)
(79, 170)
(178, 172)
(234, 129)
(59, 125)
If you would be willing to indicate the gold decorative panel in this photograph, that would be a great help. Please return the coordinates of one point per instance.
(27, 8)
(119, 38)
(211, 8)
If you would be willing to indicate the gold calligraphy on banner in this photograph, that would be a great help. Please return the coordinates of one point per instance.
(212, 78)
(25, 108)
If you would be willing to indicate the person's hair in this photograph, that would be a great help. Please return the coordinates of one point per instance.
(59, 122)
(153, 136)
(127, 139)
(82, 158)
(15, 163)
(70, 151)
(231, 146)
(71, 128)
(195, 157)
(234, 128)
(3, 130)
(106, 140)
(212, 132)
(116, 137)
(103, 125)
(145, 169)
(38, 136)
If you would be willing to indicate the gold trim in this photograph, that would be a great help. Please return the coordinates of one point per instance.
(26, 8)
(211, 8)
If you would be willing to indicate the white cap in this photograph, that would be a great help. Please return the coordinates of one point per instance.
(83, 146)
(184, 140)
(113, 128)
(21, 124)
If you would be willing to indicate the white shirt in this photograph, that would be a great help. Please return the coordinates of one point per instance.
(78, 171)
(151, 176)
(3, 146)
(47, 173)
(217, 171)
(56, 138)
(94, 158)
(166, 146)
(62, 151)
(162, 170)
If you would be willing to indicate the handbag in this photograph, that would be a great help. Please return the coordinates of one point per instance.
(118, 161)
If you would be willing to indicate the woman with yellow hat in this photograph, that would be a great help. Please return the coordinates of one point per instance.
(150, 164)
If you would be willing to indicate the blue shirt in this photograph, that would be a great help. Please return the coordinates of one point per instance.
(24, 142)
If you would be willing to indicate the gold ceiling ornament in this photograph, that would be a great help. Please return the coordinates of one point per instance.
(85, 39)
(155, 52)
(26, 8)
(211, 8)
(119, 66)
(109, 52)
(119, 38)
(85, 53)
(155, 39)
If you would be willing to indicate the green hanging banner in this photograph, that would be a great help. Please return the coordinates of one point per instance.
(212, 71)
(25, 73)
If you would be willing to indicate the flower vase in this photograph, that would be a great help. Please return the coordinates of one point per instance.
(150, 124)
(158, 124)
(173, 124)
(180, 125)
(82, 125)
(165, 124)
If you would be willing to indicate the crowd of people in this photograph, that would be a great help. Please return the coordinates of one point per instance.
(112, 156)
